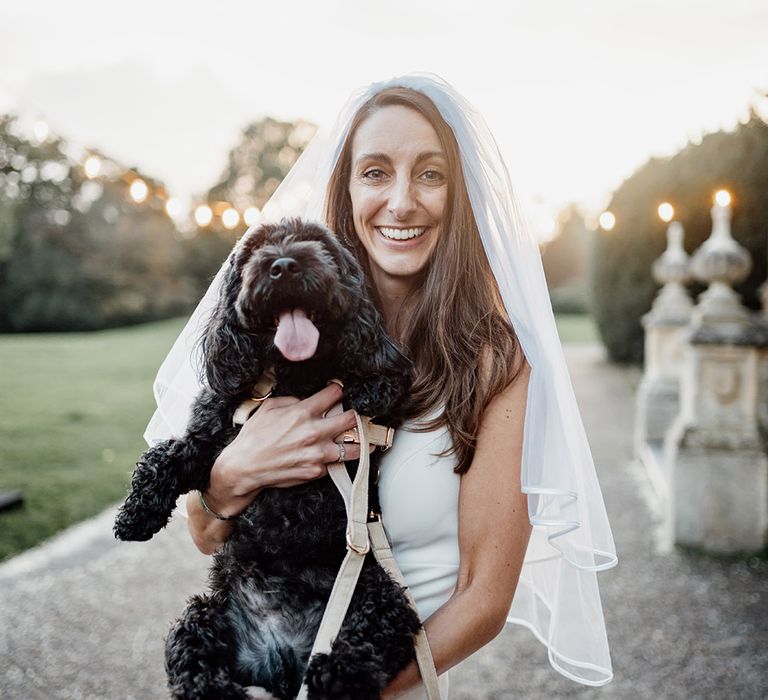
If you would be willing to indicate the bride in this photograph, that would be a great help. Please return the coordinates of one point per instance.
(489, 495)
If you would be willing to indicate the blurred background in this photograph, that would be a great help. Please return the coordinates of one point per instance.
(139, 141)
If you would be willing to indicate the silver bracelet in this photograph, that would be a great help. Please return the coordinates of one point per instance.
(211, 511)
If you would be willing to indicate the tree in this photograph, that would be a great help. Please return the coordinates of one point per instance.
(566, 261)
(78, 253)
(266, 151)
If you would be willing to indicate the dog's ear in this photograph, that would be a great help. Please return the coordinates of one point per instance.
(230, 352)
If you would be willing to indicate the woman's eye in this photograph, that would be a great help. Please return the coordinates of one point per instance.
(433, 176)
(374, 174)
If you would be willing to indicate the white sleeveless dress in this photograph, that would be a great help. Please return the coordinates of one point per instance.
(419, 495)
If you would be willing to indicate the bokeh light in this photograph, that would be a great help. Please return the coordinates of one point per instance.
(666, 212)
(139, 190)
(723, 198)
(92, 167)
(203, 215)
(173, 208)
(230, 218)
(41, 131)
(252, 216)
(607, 221)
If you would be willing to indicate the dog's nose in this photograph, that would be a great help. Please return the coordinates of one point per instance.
(285, 268)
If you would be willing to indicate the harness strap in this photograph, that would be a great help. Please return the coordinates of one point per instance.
(361, 537)
(381, 435)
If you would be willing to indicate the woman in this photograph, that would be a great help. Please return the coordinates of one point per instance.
(413, 183)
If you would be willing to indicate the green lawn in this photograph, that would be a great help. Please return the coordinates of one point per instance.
(577, 328)
(73, 407)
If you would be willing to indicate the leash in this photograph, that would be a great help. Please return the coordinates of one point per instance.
(362, 536)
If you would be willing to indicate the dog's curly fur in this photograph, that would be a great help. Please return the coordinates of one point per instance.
(270, 583)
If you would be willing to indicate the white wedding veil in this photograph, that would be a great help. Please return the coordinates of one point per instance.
(557, 596)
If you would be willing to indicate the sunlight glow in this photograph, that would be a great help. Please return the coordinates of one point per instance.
(41, 131)
(92, 167)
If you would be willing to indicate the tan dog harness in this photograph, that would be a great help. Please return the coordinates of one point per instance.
(362, 536)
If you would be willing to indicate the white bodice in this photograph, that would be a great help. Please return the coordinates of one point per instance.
(419, 495)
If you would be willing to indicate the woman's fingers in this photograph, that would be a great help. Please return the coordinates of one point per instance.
(323, 400)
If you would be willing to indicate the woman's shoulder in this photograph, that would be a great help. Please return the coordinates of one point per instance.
(521, 368)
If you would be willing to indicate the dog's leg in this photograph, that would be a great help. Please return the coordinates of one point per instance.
(198, 654)
(374, 643)
(153, 494)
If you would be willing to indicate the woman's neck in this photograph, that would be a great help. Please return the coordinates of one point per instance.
(393, 293)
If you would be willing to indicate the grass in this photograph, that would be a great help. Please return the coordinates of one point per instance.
(73, 407)
(577, 328)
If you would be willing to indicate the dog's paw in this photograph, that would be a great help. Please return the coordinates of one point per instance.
(351, 675)
(256, 693)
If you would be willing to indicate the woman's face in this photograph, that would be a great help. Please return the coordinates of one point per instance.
(398, 187)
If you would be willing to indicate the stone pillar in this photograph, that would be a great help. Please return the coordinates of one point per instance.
(762, 387)
(658, 397)
(714, 450)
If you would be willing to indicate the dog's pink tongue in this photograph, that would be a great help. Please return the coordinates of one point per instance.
(296, 336)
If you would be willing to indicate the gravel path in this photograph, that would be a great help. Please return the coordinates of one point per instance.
(84, 616)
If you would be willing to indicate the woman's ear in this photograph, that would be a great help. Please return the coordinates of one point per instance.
(230, 355)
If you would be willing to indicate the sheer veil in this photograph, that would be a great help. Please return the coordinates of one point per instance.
(557, 597)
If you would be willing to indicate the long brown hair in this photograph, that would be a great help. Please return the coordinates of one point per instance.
(453, 323)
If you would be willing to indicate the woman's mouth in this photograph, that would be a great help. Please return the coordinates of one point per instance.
(401, 234)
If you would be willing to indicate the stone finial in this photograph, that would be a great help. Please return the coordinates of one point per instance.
(721, 262)
(672, 304)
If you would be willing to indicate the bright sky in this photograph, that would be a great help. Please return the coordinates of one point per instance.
(578, 94)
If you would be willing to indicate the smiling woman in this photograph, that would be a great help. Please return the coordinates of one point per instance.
(398, 190)
(412, 182)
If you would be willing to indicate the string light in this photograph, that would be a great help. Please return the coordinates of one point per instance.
(230, 218)
(95, 166)
(139, 190)
(173, 208)
(203, 215)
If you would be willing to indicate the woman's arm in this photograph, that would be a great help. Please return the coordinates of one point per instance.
(493, 535)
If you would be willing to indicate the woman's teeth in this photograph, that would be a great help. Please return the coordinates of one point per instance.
(402, 234)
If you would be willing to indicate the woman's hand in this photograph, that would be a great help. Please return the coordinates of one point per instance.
(285, 442)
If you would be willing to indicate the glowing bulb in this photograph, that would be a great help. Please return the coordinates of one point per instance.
(607, 221)
(723, 198)
(139, 190)
(203, 215)
(666, 212)
(173, 207)
(230, 218)
(92, 167)
(252, 216)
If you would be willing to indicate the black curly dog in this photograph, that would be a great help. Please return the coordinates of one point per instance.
(270, 583)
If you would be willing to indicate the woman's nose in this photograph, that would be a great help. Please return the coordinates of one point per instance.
(402, 201)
